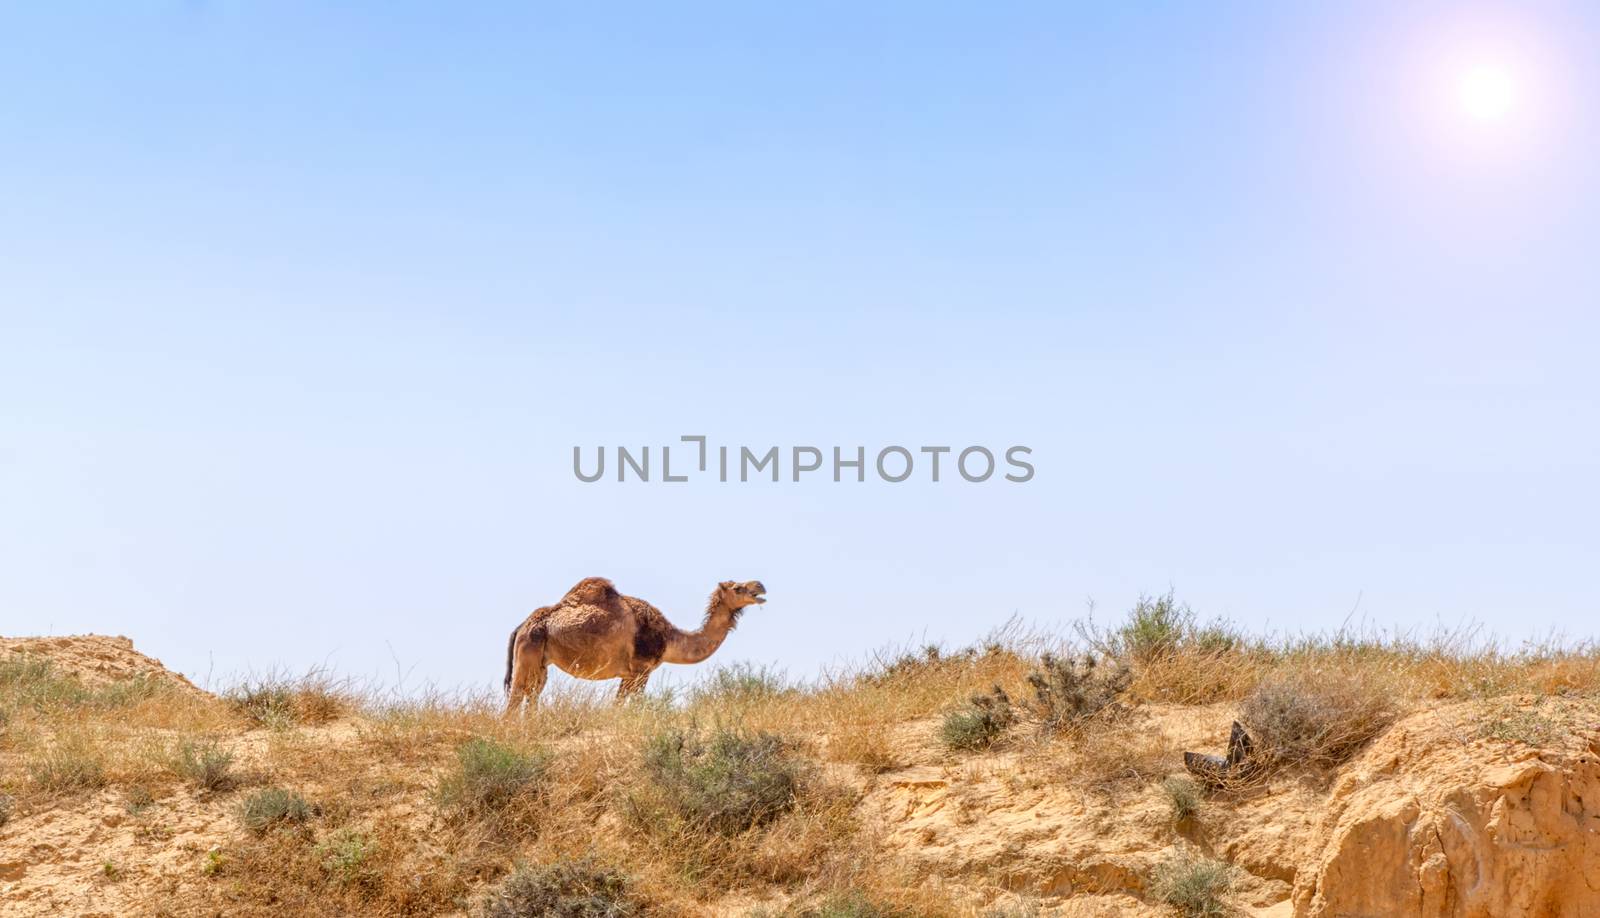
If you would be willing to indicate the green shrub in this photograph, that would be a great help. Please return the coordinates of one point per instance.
(346, 857)
(1158, 627)
(978, 723)
(274, 806)
(727, 782)
(205, 764)
(1155, 627)
(565, 889)
(740, 683)
(1183, 795)
(1195, 886)
(488, 776)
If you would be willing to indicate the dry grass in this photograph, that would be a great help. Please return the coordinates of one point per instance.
(1197, 887)
(277, 701)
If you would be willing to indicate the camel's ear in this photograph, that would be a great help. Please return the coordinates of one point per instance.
(725, 585)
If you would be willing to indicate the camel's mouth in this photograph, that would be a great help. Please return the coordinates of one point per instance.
(756, 591)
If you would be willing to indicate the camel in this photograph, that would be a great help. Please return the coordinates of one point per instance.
(594, 632)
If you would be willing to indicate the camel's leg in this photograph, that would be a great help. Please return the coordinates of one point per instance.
(529, 669)
(631, 686)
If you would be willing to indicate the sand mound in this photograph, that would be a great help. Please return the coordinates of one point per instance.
(1436, 821)
(95, 659)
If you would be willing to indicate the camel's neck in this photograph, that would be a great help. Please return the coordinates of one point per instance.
(695, 646)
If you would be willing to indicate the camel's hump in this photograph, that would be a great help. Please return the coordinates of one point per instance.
(593, 591)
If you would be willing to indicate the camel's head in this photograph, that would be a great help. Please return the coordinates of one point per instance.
(739, 595)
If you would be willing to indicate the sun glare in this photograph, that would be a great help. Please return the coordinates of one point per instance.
(1486, 93)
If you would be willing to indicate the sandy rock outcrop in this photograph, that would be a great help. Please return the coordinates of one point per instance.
(1435, 822)
(95, 659)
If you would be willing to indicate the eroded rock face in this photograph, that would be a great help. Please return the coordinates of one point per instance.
(1434, 823)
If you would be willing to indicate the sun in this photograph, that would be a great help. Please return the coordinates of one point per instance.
(1486, 92)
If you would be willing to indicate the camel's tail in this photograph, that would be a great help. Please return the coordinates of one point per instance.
(511, 654)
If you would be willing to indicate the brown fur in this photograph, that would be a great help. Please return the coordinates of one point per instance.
(595, 632)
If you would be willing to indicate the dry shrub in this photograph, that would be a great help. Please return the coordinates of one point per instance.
(1068, 692)
(277, 701)
(564, 889)
(1317, 717)
(980, 722)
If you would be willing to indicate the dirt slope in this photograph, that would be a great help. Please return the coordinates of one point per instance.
(1438, 818)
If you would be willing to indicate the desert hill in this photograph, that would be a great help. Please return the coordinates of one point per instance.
(1386, 780)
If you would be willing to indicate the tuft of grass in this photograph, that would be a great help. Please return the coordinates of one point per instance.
(205, 764)
(268, 702)
(1196, 886)
(1067, 692)
(277, 702)
(274, 806)
(1510, 723)
(346, 857)
(1183, 797)
(74, 762)
(489, 776)
(1317, 717)
(740, 683)
(564, 889)
(137, 799)
(728, 781)
(980, 722)
(7, 806)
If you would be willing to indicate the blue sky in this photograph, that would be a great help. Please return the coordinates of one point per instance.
(303, 308)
